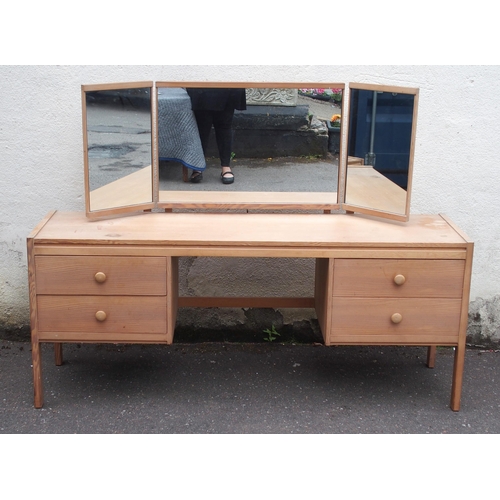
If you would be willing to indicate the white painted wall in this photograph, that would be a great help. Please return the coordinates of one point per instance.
(456, 170)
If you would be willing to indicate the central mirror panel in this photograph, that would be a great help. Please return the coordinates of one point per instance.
(381, 138)
(284, 154)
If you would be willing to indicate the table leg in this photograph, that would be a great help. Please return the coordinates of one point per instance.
(458, 371)
(37, 373)
(431, 356)
(58, 353)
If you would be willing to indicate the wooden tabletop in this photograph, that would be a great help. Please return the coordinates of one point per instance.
(234, 229)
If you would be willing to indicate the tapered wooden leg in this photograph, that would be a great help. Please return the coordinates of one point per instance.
(431, 356)
(458, 372)
(58, 353)
(37, 373)
(185, 174)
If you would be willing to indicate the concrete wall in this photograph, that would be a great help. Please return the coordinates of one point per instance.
(455, 172)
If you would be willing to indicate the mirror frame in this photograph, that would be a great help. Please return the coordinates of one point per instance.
(117, 210)
(240, 200)
(255, 200)
(366, 209)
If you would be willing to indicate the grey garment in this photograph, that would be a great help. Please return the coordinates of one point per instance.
(178, 137)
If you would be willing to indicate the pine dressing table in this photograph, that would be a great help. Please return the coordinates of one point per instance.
(382, 276)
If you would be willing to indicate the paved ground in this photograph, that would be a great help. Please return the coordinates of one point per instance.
(247, 388)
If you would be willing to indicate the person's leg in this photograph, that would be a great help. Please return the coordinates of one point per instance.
(204, 123)
(223, 125)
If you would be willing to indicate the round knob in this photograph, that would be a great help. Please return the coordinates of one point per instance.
(396, 318)
(100, 315)
(399, 279)
(100, 277)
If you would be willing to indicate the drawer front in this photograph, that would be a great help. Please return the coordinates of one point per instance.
(395, 320)
(94, 314)
(89, 275)
(398, 278)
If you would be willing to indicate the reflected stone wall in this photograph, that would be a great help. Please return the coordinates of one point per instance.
(272, 97)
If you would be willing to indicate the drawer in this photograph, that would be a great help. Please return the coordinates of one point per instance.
(123, 315)
(98, 275)
(376, 320)
(380, 278)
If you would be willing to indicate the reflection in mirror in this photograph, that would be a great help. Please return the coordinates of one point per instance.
(119, 147)
(380, 149)
(286, 142)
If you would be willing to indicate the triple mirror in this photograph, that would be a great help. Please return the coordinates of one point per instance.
(295, 146)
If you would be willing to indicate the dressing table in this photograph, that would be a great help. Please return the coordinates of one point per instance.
(382, 276)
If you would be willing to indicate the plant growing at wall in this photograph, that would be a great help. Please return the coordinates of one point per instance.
(335, 121)
(272, 334)
(334, 95)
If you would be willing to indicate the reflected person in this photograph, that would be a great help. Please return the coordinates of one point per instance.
(215, 107)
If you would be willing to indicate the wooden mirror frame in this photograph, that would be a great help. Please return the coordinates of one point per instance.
(125, 185)
(254, 200)
(374, 204)
(240, 200)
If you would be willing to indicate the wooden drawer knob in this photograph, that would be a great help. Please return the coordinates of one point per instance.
(396, 318)
(100, 277)
(100, 315)
(399, 279)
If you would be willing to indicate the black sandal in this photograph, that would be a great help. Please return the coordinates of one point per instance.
(227, 180)
(196, 177)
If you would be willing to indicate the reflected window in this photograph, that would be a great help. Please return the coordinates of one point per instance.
(380, 132)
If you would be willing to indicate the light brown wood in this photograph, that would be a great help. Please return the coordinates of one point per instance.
(399, 279)
(367, 191)
(458, 373)
(101, 316)
(103, 338)
(69, 275)
(431, 356)
(256, 85)
(383, 88)
(458, 366)
(354, 160)
(113, 199)
(125, 315)
(323, 299)
(140, 191)
(172, 296)
(248, 200)
(255, 251)
(371, 318)
(125, 196)
(360, 296)
(366, 188)
(36, 355)
(116, 85)
(397, 318)
(376, 277)
(58, 354)
(308, 232)
(100, 277)
(133, 189)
